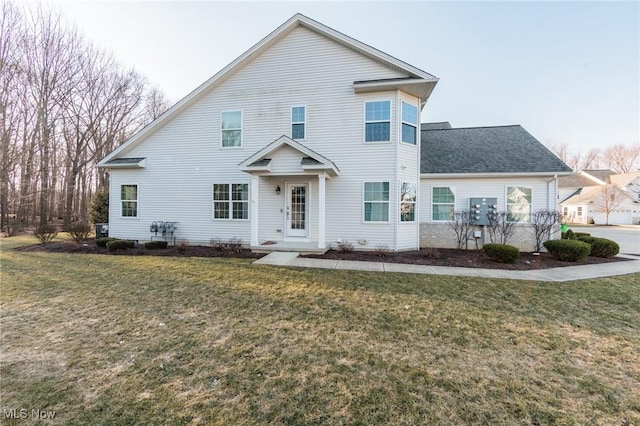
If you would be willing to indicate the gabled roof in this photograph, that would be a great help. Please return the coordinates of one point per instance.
(624, 179)
(310, 160)
(487, 150)
(574, 180)
(602, 175)
(298, 20)
(589, 194)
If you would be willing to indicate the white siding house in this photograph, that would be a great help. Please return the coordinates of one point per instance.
(308, 138)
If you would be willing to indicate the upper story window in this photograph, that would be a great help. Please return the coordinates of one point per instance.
(298, 122)
(376, 201)
(409, 123)
(129, 200)
(519, 204)
(231, 127)
(377, 121)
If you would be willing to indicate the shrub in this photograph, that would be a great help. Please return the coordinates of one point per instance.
(568, 250)
(120, 245)
(382, 250)
(45, 233)
(586, 239)
(155, 245)
(603, 247)
(345, 246)
(99, 208)
(431, 253)
(218, 244)
(102, 242)
(582, 234)
(181, 245)
(234, 245)
(503, 253)
(79, 231)
(569, 235)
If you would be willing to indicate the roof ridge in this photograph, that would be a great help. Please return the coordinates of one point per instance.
(472, 127)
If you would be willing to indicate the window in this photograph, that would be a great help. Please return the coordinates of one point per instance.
(231, 201)
(377, 117)
(231, 125)
(409, 123)
(298, 119)
(518, 204)
(443, 203)
(376, 201)
(408, 202)
(129, 200)
(579, 211)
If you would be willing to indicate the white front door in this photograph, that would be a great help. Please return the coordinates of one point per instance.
(297, 210)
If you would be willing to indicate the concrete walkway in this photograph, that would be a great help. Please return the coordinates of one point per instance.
(567, 273)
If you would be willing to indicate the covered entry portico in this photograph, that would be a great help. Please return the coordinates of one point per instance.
(288, 197)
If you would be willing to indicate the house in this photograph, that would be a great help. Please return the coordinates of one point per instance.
(309, 139)
(588, 194)
(502, 165)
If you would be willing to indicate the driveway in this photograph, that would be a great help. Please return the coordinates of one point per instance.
(627, 236)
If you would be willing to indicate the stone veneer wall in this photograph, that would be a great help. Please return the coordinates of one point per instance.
(440, 235)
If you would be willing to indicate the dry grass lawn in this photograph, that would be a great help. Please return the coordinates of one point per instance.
(152, 340)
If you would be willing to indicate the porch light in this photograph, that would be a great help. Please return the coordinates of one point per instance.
(278, 190)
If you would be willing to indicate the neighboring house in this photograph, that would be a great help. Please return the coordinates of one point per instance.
(502, 164)
(308, 139)
(583, 197)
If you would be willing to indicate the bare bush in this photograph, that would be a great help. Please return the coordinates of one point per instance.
(545, 223)
(79, 231)
(382, 250)
(345, 246)
(234, 245)
(500, 227)
(461, 225)
(45, 233)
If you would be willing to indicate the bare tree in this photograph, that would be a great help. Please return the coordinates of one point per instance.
(609, 200)
(621, 158)
(545, 223)
(590, 160)
(501, 227)
(461, 224)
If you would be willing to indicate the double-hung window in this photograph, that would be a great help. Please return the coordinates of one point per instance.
(377, 121)
(376, 201)
(231, 201)
(231, 128)
(409, 123)
(408, 202)
(298, 122)
(129, 200)
(443, 201)
(518, 204)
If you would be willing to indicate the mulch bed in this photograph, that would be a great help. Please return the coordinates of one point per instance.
(461, 258)
(427, 256)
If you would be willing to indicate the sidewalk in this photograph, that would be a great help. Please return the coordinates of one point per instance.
(567, 273)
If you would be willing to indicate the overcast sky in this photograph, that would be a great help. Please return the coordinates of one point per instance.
(568, 72)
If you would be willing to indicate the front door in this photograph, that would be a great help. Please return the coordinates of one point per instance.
(297, 210)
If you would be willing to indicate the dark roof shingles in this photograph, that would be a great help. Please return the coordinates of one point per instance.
(501, 149)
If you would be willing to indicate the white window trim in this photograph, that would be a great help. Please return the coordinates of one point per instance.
(453, 189)
(377, 202)
(137, 201)
(415, 126)
(230, 202)
(415, 204)
(506, 203)
(365, 122)
(304, 123)
(241, 129)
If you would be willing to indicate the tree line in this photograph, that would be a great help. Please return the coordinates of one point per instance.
(64, 105)
(619, 158)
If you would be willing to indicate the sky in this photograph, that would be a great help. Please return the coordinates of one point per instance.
(568, 72)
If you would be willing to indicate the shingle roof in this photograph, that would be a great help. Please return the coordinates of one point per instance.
(135, 160)
(502, 149)
(442, 125)
(603, 175)
(574, 180)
